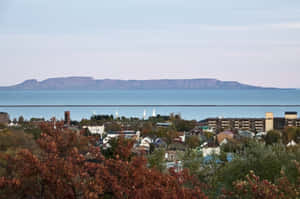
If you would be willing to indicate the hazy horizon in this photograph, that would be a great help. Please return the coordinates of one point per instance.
(253, 42)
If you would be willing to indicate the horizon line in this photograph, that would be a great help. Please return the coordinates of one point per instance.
(145, 105)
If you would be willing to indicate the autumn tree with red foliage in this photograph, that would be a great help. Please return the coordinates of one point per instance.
(255, 188)
(70, 166)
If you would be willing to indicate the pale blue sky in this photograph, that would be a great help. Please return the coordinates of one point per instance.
(252, 41)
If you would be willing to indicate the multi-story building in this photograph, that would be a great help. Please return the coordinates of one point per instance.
(269, 121)
(253, 124)
(4, 118)
(219, 124)
(291, 119)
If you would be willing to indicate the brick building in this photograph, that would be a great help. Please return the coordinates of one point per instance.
(67, 118)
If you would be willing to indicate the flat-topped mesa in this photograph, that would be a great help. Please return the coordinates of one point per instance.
(89, 83)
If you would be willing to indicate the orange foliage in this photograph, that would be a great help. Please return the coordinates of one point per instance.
(70, 166)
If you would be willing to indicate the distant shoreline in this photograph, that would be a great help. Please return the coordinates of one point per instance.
(145, 105)
(146, 89)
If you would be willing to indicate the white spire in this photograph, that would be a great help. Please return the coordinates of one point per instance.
(144, 115)
(154, 113)
(117, 114)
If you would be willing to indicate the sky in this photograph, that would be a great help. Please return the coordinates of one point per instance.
(251, 41)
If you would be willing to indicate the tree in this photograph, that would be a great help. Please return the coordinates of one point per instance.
(157, 160)
(168, 135)
(15, 121)
(113, 126)
(21, 120)
(208, 135)
(119, 148)
(55, 172)
(290, 134)
(147, 129)
(193, 161)
(273, 137)
(233, 146)
(12, 140)
(254, 187)
(69, 165)
(192, 141)
(184, 125)
(35, 132)
(266, 161)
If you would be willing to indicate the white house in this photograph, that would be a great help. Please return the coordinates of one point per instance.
(182, 137)
(126, 134)
(96, 130)
(210, 151)
(146, 142)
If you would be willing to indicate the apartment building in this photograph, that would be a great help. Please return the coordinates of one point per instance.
(253, 124)
(290, 120)
(219, 124)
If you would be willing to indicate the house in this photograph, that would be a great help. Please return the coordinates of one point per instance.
(163, 124)
(246, 134)
(180, 138)
(36, 122)
(127, 134)
(225, 135)
(199, 130)
(160, 143)
(94, 130)
(176, 165)
(210, 151)
(260, 135)
(171, 156)
(145, 144)
(207, 129)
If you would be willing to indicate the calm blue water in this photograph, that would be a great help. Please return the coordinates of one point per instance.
(150, 97)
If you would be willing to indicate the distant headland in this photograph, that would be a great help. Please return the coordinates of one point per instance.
(89, 83)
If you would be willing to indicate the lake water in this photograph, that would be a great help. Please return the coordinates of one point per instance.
(144, 97)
